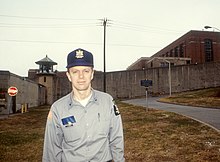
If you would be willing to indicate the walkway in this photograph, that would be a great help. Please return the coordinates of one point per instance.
(208, 116)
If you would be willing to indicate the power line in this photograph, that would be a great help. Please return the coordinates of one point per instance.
(72, 24)
(8, 25)
(112, 23)
(36, 41)
(82, 23)
(65, 42)
(133, 45)
(46, 18)
(140, 27)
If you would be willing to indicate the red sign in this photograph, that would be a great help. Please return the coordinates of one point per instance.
(12, 91)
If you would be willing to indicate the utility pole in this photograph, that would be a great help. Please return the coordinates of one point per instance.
(104, 60)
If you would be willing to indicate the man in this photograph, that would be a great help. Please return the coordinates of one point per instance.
(85, 125)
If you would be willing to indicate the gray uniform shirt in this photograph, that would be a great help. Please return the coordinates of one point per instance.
(75, 133)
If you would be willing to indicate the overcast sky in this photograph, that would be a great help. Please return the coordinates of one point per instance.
(32, 29)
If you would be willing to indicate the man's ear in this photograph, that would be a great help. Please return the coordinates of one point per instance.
(92, 74)
(68, 76)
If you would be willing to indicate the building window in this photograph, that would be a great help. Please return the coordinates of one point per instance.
(45, 79)
(208, 50)
(171, 53)
(176, 52)
(188, 62)
(164, 64)
(181, 50)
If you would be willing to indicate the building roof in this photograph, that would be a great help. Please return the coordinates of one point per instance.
(142, 59)
(46, 61)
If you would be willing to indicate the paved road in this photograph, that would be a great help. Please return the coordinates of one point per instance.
(208, 116)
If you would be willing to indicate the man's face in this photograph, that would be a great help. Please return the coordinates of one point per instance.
(80, 77)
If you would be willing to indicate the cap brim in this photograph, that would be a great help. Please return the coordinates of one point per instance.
(78, 64)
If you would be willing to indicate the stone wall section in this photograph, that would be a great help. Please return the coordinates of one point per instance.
(126, 84)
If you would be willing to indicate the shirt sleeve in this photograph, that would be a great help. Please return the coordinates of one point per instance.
(116, 135)
(52, 139)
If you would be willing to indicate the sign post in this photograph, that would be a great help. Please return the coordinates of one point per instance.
(147, 96)
(146, 83)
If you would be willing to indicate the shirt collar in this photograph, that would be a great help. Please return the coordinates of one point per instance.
(93, 98)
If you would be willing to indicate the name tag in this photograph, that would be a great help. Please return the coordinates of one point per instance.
(68, 121)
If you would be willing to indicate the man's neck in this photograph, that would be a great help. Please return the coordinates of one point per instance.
(81, 95)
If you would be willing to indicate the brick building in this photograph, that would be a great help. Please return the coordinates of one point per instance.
(200, 46)
(193, 47)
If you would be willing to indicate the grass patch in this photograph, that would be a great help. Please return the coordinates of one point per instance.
(21, 136)
(152, 136)
(204, 98)
(164, 136)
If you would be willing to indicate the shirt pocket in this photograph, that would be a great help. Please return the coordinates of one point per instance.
(72, 134)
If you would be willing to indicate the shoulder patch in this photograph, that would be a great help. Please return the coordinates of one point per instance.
(116, 110)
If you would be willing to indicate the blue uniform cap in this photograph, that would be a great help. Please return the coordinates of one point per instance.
(79, 57)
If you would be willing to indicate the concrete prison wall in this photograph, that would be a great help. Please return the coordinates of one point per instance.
(126, 84)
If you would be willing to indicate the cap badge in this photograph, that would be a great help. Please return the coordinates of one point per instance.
(79, 54)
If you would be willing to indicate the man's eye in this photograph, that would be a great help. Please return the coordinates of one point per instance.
(74, 72)
(87, 70)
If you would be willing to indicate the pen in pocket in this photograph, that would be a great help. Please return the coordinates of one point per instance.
(99, 117)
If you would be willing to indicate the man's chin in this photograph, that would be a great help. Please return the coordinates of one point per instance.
(82, 88)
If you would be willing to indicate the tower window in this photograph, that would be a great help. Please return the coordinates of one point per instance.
(45, 79)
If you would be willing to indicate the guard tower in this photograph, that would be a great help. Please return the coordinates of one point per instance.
(47, 77)
(46, 65)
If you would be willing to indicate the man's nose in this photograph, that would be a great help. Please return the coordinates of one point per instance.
(81, 75)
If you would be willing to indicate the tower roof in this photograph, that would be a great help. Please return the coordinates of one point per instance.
(46, 61)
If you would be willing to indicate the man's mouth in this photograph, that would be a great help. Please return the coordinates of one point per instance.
(81, 82)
